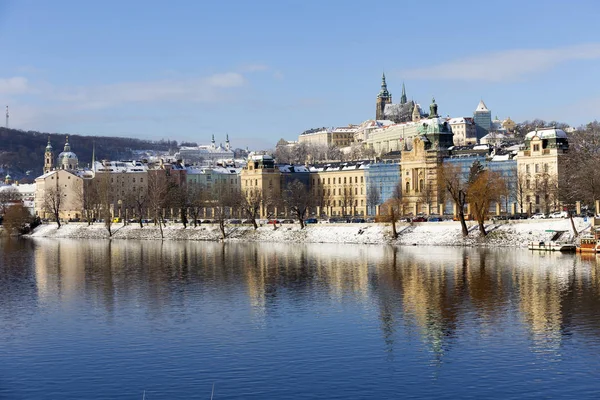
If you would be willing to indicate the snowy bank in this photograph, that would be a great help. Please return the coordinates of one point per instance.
(507, 234)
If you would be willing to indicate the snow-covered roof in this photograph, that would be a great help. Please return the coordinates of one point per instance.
(293, 168)
(460, 120)
(547, 133)
(24, 189)
(501, 157)
(120, 166)
(481, 106)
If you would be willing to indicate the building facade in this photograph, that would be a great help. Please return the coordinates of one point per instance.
(483, 120)
(540, 163)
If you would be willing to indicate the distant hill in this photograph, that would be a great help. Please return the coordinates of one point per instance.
(22, 151)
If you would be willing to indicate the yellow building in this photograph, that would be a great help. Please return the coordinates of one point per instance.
(340, 189)
(539, 164)
(420, 167)
(60, 190)
(261, 175)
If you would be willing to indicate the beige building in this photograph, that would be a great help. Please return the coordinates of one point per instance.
(539, 164)
(464, 131)
(127, 182)
(320, 137)
(338, 137)
(261, 175)
(343, 136)
(420, 167)
(59, 189)
(340, 189)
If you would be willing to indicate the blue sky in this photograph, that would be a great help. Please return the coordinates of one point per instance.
(263, 70)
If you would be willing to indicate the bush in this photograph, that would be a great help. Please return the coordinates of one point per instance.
(18, 219)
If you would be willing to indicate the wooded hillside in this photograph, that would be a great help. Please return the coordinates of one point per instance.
(22, 151)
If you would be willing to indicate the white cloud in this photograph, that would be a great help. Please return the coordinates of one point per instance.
(213, 88)
(14, 85)
(508, 65)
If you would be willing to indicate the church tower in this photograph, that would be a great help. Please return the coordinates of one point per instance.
(403, 98)
(416, 114)
(384, 97)
(483, 120)
(227, 144)
(48, 158)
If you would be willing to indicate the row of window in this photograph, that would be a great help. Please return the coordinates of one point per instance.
(321, 181)
(537, 168)
(339, 191)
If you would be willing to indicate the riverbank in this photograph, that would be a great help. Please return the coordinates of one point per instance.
(505, 234)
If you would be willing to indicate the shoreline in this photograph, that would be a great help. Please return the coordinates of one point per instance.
(501, 234)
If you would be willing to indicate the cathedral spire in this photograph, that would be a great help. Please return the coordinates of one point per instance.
(383, 92)
(403, 97)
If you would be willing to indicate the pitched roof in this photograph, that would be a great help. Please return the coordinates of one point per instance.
(481, 106)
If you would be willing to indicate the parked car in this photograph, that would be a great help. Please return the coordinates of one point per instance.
(559, 214)
(419, 219)
(538, 216)
(287, 221)
(235, 221)
(310, 221)
(357, 220)
(273, 221)
(247, 221)
(434, 218)
(207, 221)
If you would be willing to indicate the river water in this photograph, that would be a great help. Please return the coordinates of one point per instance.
(112, 320)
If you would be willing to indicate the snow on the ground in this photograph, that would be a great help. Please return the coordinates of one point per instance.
(503, 233)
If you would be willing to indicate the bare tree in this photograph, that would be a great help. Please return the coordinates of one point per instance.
(373, 197)
(52, 203)
(521, 189)
(251, 203)
(426, 196)
(197, 201)
(348, 198)
(457, 189)
(87, 195)
(177, 197)
(297, 198)
(157, 194)
(224, 203)
(8, 195)
(139, 200)
(105, 204)
(485, 188)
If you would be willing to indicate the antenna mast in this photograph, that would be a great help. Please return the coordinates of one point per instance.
(6, 117)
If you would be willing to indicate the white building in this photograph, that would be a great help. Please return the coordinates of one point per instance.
(207, 155)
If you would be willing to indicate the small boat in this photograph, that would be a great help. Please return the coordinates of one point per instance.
(589, 244)
(552, 246)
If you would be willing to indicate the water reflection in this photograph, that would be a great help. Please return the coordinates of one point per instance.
(432, 293)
